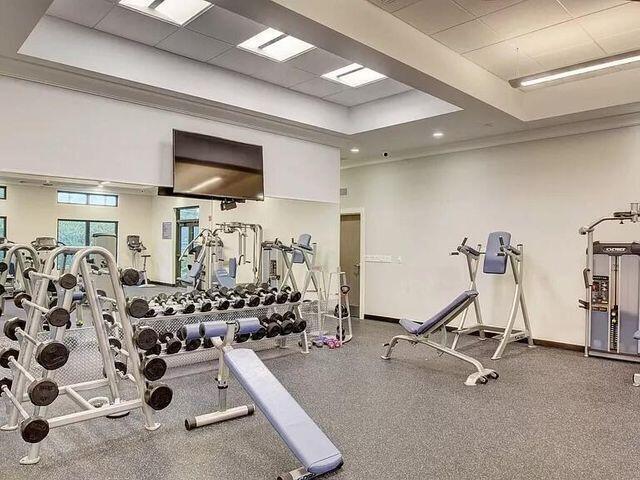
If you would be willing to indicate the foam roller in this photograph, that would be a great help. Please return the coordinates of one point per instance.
(213, 329)
(248, 325)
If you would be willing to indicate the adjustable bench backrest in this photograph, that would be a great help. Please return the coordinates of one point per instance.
(448, 313)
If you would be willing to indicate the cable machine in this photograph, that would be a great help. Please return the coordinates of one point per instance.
(612, 285)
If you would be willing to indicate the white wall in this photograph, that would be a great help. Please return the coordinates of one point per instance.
(540, 191)
(33, 211)
(52, 131)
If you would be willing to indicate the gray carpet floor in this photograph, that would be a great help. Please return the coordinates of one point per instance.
(551, 414)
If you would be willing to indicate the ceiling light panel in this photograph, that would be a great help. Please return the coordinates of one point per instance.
(354, 75)
(273, 44)
(576, 70)
(178, 12)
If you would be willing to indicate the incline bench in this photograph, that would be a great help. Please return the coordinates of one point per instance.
(299, 432)
(420, 332)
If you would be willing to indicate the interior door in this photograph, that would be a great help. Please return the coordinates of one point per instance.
(350, 258)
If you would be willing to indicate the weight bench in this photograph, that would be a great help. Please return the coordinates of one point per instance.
(299, 432)
(420, 332)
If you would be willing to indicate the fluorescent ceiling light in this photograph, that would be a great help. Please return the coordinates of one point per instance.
(354, 75)
(275, 45)
(579, 69)
(438, 134)
(355, 150)
(179, 12)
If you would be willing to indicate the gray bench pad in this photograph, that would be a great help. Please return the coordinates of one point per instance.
(418, 328)
(300, 433)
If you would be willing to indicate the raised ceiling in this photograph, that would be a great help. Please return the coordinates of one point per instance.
(212, 38)
(513, 38)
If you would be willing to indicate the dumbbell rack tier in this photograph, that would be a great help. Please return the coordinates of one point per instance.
(308, 310)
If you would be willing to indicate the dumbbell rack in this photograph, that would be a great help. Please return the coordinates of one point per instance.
(308, 310)
(111, 405)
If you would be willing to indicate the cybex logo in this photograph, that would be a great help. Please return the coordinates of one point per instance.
(615, 249)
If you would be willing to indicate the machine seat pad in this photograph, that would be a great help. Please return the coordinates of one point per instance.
(494, 263)
(418, 328)
(300, 433)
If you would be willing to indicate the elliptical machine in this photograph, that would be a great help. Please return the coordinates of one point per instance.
(136, 247)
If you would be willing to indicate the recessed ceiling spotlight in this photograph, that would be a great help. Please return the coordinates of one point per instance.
(578, 69)
(355, 150)
(438, 134)
(354, 75)
(273, 44)
(178, 12)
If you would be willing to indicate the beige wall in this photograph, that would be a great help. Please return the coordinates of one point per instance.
(540, 191)
(33, 211)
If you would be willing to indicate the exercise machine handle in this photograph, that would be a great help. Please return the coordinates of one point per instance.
(583, 304)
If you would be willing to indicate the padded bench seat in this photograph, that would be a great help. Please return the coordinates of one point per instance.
(301, 434)
(417, 328)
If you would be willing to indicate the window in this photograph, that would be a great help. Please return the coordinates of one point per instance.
(78, 233)
(3, 193)
(97, 199)
(3, 232)
(188, 213)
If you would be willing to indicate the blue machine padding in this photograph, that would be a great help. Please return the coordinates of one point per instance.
(190, 331)
(224, 279)
(300, 433)
(304, 242)
(637, 335)
(493, 262)
(193, 273)
(233, 267)
(213, 329)
(418, 328)
(248, 325)
(78, 296)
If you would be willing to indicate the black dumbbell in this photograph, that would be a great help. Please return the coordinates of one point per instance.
(41, 392)
(155, 350)
(272, 328)
(236, 300)
(251, 300)
(220, 302)
(10, 327)
(207, 342)
(158, 396)
(286, 324)
(173, 345)
(145, 337)
(130, 277)
(115, 343)
(120, 367)
(153, 368)
(294, 295)
(299, 324)
(281, 296)
(267, 297)
(137, 307)
(185, 303)
(260, 333)
(51, 354)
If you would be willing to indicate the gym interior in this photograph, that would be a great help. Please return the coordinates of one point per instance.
(347, 239)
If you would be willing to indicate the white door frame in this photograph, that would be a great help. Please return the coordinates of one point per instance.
(358, 211)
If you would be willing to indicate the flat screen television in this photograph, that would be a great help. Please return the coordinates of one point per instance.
(212, 167)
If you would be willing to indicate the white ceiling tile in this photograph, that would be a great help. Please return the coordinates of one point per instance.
(483, 7)
(84, 12)
(135, 26)
(225, 25)
(241, 61)
(193, 45)
(504, 60)
(615, 21)
(318, 62)
(558, 37)
(621, 43)
(468, 36)
(281, 74)
(578, 8)
(393, 5)
(564, 57)
(526, 17)
(368, 93)
(319, 87)
(432, 16)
